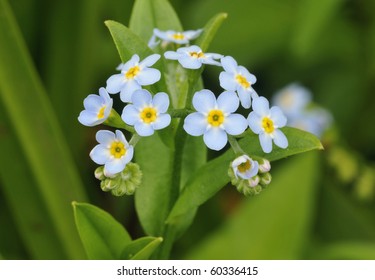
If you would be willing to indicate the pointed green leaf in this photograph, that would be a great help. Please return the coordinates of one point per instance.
(149, 14)
(141, 248)
(209, 31)
(213, 175)
(39, 133)
(273, 225)
(102, 236)
(127, 42)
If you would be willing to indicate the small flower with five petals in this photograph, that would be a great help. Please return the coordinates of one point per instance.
(113, 151)
(133, 76)
(97, 108)
(266, 122)
(147, 113)
(174, 36)
(193, 57)
(237, 78)
(215, 118)
(244, 167)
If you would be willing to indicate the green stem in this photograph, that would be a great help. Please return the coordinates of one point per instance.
(235, 146)
(134, 140)
(179, 113)
(114, 120)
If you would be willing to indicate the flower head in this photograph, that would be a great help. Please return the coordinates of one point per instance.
(133, 76)
(215, 118)
(266, 122)
(97, 108)
(292, 99)
(147, 113)
(174, 36)
(193, 57)
(237, 78)
(113, 151)
(245, 167)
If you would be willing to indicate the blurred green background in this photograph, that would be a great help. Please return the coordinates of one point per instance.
(319, 205)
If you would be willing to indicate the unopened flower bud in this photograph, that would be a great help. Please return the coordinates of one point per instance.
(264, 165)
(99, 173)
(265, 179)
(254, 181)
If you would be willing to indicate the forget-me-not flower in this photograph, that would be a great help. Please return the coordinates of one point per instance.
(239, 79)
(244, 167)
(133, 76)
(173, 36)
(215, 118)
(266, 122)
(147, 113)
(113, 151)
(97, 108)
(193, 57)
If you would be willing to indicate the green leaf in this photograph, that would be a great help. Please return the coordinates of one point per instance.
(127, 43)
(213, 176)
(273, 225)
(39, 134)
(152, 198)
(149, 14)
(209, 31)
(102, 236)
(141, 248)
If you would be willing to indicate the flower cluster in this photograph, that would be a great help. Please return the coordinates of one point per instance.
(214, 117)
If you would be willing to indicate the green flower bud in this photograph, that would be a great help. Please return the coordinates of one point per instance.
(265, 179)
(99, 173)
(123, 183)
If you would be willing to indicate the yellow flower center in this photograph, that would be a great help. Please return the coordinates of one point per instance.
(148, 114)
(178, 36)
(215, 117)
(100, 115)
(267, 125)
(132, 72)
(243, 167)
(242, 81)
(196, 54)
(117, 149)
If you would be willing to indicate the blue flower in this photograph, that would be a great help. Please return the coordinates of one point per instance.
(192, 57)
(173, 36)
(133, 76)
(244, 167)
(97, 108)
(292, 99)
(266, 122)
(237, 78)
(215, 118)
(147, 113)
(113, 151)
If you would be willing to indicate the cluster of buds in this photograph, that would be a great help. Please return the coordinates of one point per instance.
(250, 176)
(125, 182)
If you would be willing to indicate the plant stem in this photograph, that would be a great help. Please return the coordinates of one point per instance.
(235, 146)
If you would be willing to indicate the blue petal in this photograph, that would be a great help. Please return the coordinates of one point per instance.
(100, 154)
(150, 60)
(93, 103)
(105, 137)
(215, 138)
(255, 122)
(280, 139)
(114, 166)
(127, 91)
(261, 106)
(161, 102)
(121, 137)
(195, 124)
(172, 55)
(228, 102)
(204, 101)
(189, 62)
(265, 142)
(227, 81)
(229, 64)
(235, 124)
(249, 77)
(130, 114)
(141, 98)
(115, 83)
(245, 97)
(277, 116)
(162, 121)
(148, 76)
(143, 129)
(89, 118)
